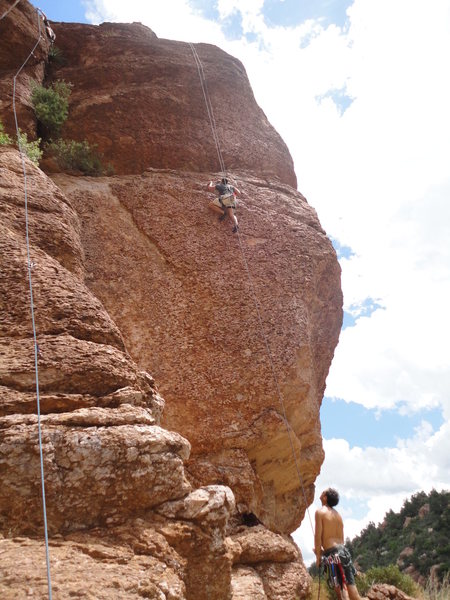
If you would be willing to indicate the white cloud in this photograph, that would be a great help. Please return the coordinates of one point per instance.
(173, 19)
(249, 9)
(381, 478)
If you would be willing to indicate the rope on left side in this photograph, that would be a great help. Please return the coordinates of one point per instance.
(30, 285)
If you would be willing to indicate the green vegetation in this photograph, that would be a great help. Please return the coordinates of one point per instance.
(51, 106)
(31, 149)
(56, 56)
(390, 575)
(5, 139)
(77, 156)
(422, 526)
(418, 537)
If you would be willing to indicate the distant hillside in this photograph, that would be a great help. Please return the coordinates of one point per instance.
(417, 538)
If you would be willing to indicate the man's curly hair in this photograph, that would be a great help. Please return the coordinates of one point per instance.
(332, 497)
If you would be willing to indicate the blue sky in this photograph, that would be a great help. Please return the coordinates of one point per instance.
(72, 11)
(378, 429)
(289, 13)
(360, 94)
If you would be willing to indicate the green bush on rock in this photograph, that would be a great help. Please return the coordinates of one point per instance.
(77, 156)
(51, 106)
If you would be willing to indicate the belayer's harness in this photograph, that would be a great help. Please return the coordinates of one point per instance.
(333, 570)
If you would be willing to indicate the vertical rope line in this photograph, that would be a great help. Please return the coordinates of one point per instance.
(209, 108)
(252, 286)
(30, 285)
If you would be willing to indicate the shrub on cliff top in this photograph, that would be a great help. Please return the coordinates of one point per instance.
(51, 106)
(77, 156)
(31, 149)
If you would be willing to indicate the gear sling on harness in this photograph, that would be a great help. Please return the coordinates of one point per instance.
(227, 199)
(334, 572)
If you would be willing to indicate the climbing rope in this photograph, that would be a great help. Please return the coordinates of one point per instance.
(30, 285)
(209, 108)
(251, 283)
(9, 9)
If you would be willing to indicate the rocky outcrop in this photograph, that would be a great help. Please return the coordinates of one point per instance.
(265, 565)
(408, 551)
(106, 459)
(424, 510)
(382, 591)
(139, 98)
(133, 275)
(21, 32)
(192, 320)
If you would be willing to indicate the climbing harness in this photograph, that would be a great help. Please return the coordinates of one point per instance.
(9, 9)
(30, 266)
(250, 280)
(333, 570)
(227, 198)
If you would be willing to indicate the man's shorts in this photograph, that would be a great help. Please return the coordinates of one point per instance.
(229, 202)
(346, 561)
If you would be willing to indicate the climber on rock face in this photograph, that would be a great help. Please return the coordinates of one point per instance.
(48, 30)
(329, 546)
(226, 202)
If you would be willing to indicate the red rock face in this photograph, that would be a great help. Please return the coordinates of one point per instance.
(232, 348)
(140, 99)
(176, 282)
(19, 34)
(133, 274)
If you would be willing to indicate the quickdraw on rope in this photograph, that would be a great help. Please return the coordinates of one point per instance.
(30, 285)
(250, 280)
(333, 570)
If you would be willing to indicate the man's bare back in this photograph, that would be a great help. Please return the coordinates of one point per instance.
(331, 527)
(329, 534)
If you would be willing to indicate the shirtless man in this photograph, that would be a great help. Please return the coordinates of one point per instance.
(329, 540)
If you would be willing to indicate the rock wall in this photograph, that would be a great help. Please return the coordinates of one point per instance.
(176, 283)
(133, 275)
(122, 516)
(19, 36)
(140, 99)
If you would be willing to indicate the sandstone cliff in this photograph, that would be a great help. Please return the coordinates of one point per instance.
(133, 275)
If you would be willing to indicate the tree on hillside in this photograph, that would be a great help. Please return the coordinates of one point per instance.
(418, 536)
